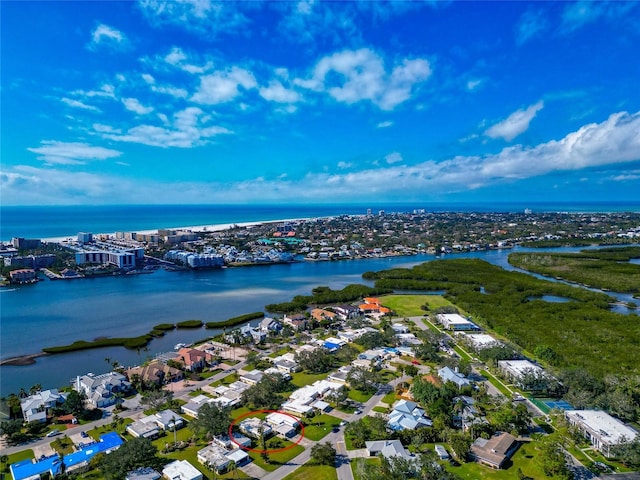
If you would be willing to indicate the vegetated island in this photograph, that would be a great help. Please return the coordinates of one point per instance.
(582, 333)
(143, 340)
(606, 268)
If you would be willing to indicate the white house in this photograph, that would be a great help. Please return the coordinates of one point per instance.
(388, 449)
(455, 322)
(408, 415)
(101, 389)
(181, 470)
(601, 429)
(34, 407)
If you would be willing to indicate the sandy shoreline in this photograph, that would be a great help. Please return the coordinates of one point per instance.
(196, 228)
(22, 360)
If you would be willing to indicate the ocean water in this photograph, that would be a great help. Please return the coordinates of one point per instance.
(59, 221)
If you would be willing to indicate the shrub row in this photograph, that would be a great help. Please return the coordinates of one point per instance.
(231, 322)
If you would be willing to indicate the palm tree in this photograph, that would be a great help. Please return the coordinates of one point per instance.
(233, 468)
(35, 389)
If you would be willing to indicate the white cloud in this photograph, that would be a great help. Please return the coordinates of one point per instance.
(148, 78)
(385, 124)
(579, 14)
(175, 57)
(613, 142)
(514, 124)
(169, 90)
(71, 153)
(208, 18)
(276, 92)
(394, 157)
(531, 24)
(106, 91)
(343, 165)
(353, 76)
(133, 105)
(473, 84)
(78, 104)
(101, 128)
(223, 86)
(106, 35)
(188, 129)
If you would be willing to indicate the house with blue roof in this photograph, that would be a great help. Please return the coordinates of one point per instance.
(407, 415)
(54, 465)
(448, 375)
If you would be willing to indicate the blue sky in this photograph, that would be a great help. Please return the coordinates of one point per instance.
(311, 102)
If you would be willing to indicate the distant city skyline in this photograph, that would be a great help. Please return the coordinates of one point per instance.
(306, 102)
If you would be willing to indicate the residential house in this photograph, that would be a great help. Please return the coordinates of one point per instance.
(101, 390)
(346, 312)
(407, 415)
(494, 451)
(252, 377)
(305, 399)
(283, 425)
(252, 426)
(238, 440)
(297, 321)
(601, 429)
(270, 325)
(388, 449)
(156, 372)
(449, 375)
(168, 420)
(399, 328)
(35, 407)
(194, 360)
(144, 428)
(525, 374)
(219, 458)
(320, 315)
(193, 406)
(181, 470)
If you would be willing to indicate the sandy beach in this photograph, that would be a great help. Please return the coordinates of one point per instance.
(195, 228)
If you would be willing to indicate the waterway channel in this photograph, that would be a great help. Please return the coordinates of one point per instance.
(52, 313)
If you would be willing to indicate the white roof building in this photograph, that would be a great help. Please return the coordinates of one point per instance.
(480, 341)
(181, 470)
(602, 430)
(517, 368)
(454, 321)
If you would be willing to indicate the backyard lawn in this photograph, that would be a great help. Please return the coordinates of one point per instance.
(524, 459)
(301, 379)
(359, 396)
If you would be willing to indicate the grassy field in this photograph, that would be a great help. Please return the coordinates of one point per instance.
(278, 458)
(409, 305)
(319, 426)
(359, 396)
(524, 459)
(300, 379)
(315, 472)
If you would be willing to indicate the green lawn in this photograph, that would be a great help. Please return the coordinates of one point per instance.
(496, 383)
(315, 472)
(301, 379)
(390, 398)
(359, 461)
(96, 432)
(524, 459)
(409, 305)
(319, 426)
(278, 458)
(359, 396)
(19, 456)
(380, 409)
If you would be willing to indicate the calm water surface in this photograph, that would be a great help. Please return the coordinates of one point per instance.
(54, 313)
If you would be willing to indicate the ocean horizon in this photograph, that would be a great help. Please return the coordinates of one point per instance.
(61, 221)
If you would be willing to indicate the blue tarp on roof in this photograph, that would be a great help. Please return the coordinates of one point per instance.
(107, 442)
(331, 346)
(27, 469)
